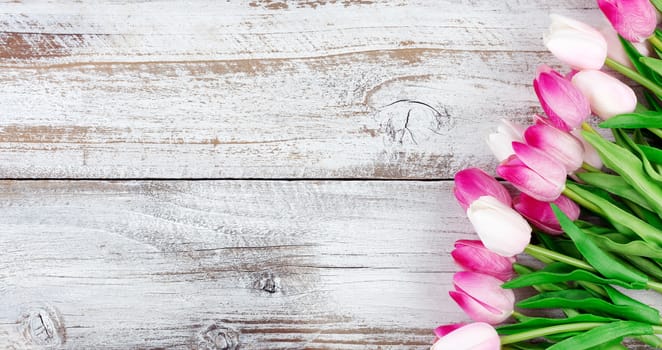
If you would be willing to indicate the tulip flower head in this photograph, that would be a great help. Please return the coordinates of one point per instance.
(607, 95)
(482, 298)
(575, 43)
(474, 336)
(635, 20)
(540, 214)
(560, 145)
(533, 172)
(473, 183)
(565, 105)
(500, 142)
(500, 228)
(472, 255)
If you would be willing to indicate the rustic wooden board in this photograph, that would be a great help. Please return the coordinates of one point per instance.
(264, 88)
(277, 264)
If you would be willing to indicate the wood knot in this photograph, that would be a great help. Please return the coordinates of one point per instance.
(42, 326)
(267, 282)
(216, 337)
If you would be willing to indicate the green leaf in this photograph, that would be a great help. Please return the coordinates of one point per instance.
(599, 259)
(648, 168)
(583, 300)
(541, 322)
(652, 63)
(657, 4)
(650, 119)
(634, 55)
(616, 185)
(560, 272)
(603, 334)
(636, 248)
(652, 101)
(629, 167)
(653, 154)
(618, 298)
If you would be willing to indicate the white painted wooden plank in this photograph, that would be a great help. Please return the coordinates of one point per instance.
(279, 264)
(264, 89)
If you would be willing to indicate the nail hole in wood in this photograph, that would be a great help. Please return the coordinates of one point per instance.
(216, 337)
(42, 326)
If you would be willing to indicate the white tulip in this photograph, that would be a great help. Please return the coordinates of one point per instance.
(501, 229)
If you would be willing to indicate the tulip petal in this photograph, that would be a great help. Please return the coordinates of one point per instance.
(472, 255)
(447, 328)
(486, 289)
(541, 214)
(607, 95)
(474, 336)
(500, 228)
(528, 181)
(473, 183)
(561, 146)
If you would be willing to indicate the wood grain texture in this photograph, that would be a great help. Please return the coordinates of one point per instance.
(264, 88)
(266, 264)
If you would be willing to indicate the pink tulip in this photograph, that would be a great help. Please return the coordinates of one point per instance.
(533, 172)
(500, 228)
(615, 49)
(472, 255)
(591, 155)
(575, 43)
(540, 214)
(474, 336)
(500, 142)
(473, 183)
(635, 20)
(607, 95)
(560, 145)
(562, 102)
(482, 298)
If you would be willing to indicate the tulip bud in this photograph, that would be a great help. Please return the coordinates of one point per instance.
(533, 172)
(560, 145)
(482, 298)
(615, 49)
(500, 228)
(575, 43)
(562, 102)
(474, 336)
(607, 95)
(591, 155)
(472, 255)
(540, 214)
(473, 183)
(501, 141)
(635, 20)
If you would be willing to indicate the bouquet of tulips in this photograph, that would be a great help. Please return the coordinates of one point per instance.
(585, 222)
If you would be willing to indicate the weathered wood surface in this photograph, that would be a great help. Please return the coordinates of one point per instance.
(264, 88)
(278, 264)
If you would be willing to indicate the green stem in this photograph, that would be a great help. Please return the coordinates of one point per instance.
(564, 328)
(541, 332)
(655, 42)
(587, 127)
(536, 251)
(656, 131)
(583, 202)
(634, 76)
